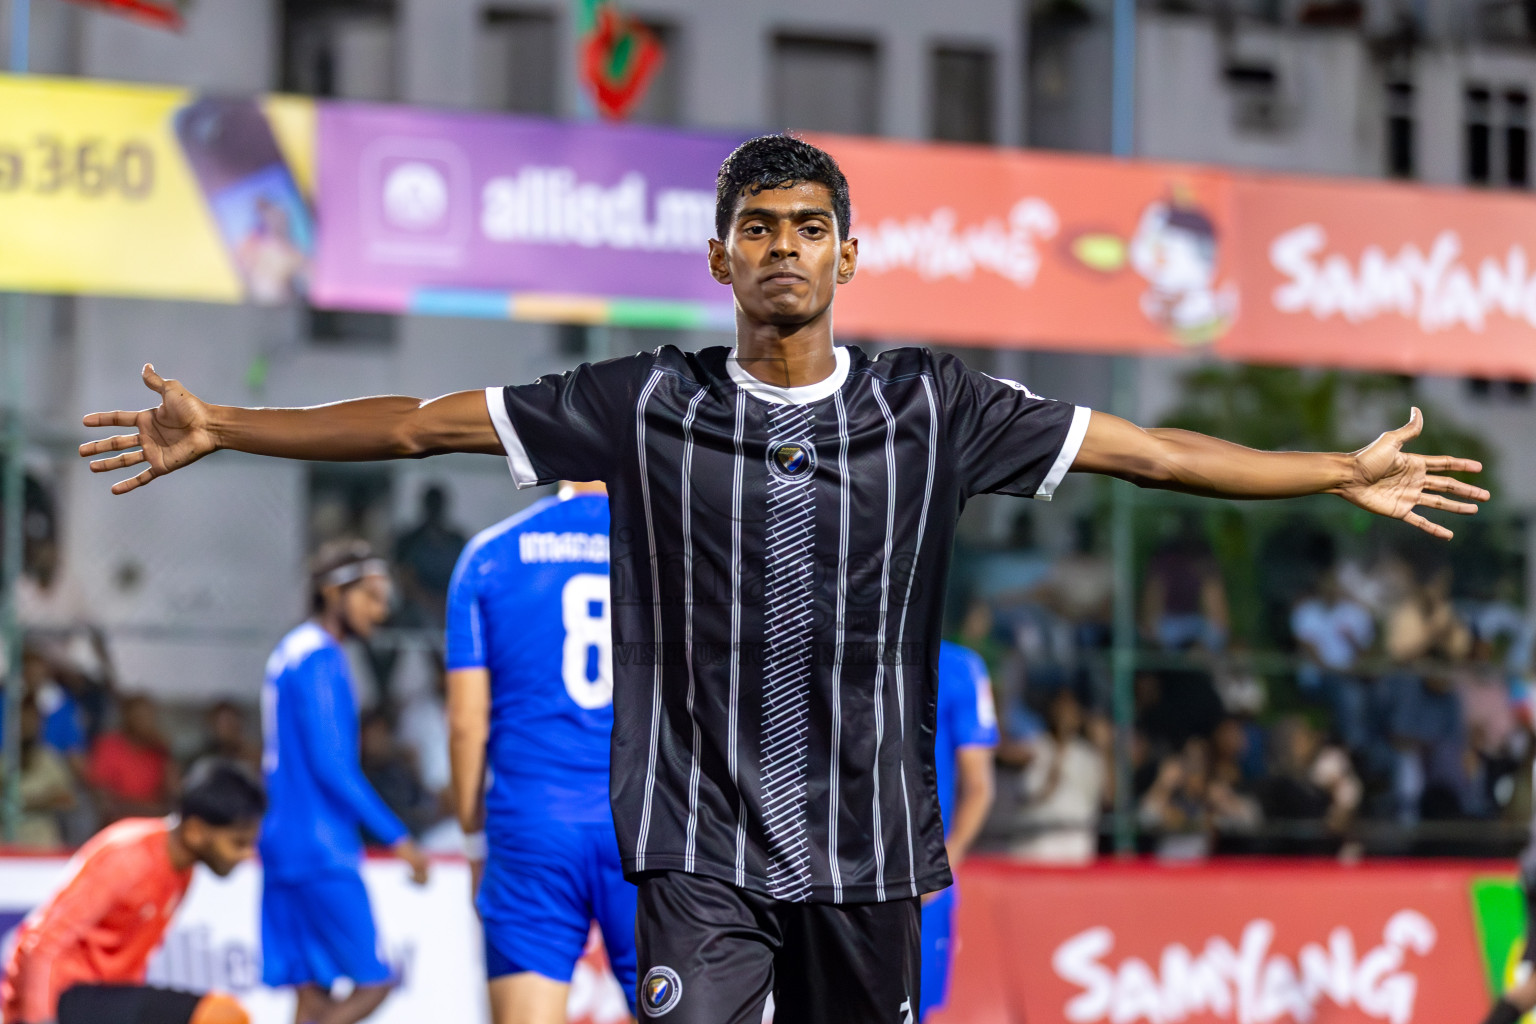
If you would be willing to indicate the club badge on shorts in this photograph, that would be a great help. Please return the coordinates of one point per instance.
(792, 460)
(660, 991)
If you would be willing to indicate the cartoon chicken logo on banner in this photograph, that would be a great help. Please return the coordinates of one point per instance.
(1175, 250)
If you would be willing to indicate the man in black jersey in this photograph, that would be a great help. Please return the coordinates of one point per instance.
(782, 517)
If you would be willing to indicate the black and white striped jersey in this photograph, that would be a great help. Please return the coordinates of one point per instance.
(778, 566)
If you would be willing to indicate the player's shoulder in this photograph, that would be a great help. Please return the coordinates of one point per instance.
(486, 543)
(131, 839)
(912, 363)
(637, 367)
(896, 363)
(587, 513)
(956, 659)
(301, 643)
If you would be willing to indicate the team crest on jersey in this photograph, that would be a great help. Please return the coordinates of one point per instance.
(660, 991)
(792, 460)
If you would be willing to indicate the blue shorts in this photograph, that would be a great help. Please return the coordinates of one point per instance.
(318, 930)
(938, 950)
(544, 885)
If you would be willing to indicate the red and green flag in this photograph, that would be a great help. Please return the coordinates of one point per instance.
(618, 57)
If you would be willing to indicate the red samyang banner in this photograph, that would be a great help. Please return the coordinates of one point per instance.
(1010, 247)
(1239, 944)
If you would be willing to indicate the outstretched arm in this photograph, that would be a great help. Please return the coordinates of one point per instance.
(183, 428)
(1380, 478)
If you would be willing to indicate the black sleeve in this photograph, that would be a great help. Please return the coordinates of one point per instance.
(1004, 438)
(569, 426)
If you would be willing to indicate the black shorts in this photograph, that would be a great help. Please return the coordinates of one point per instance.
(126, 1004)
(710, 953)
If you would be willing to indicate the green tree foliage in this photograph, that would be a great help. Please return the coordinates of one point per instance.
(1271, 552)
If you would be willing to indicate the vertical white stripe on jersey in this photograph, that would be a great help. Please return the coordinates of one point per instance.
(687, 503)
(476, 636)
(790, 571)
(834, 771)
(735, 653)
(885, 601)
(901, 629)
(650, 531)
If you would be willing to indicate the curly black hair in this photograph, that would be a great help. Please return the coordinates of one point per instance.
(223, 793)
(777, 161)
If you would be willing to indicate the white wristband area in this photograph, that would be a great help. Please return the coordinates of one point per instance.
(474, 846)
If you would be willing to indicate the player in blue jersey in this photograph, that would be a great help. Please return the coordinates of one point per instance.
(316, 923)
(530, 691)
(965, 735)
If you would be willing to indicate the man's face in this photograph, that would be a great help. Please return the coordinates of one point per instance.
(365, 605)
(782, 257)
(222, 848)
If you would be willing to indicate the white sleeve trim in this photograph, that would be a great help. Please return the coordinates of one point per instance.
(1064, 459)
(517, 456)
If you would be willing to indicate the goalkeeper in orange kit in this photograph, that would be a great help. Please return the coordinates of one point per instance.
(81, 957)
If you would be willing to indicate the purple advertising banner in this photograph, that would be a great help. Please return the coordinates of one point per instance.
(513, 217)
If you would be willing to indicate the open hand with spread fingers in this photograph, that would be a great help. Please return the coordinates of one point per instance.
(174, 434)
(1391, 482)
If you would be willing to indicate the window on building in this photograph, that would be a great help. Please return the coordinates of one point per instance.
(1258, 103)
(345, 327)
(663, 99)
(1401, 157)
(963, 89)
(1477, 116)
(517, 66)
(829, 85)
(1504, 392)
(342, 48)
(1517, 138)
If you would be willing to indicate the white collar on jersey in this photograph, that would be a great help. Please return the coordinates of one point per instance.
(803, 395)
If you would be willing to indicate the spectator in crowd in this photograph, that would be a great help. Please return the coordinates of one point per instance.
(1332, 632)
(1176, 810)
(130, 770)
(1063, 788)
(1424, 624)
(57, 617)
(228, 738)
(46, 785)
(1184, 600)
(1425, 727)
(1244, 695)
(1309, 781)
(62, 725)
(390, 772)
(1231, 761)
(1189, 806)
(1080, 588)
(1497, 744)
(1235, 810)
(424, 558)
(1428, 734)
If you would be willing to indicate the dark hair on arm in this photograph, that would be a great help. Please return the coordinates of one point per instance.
(223, 793)
(777, 161)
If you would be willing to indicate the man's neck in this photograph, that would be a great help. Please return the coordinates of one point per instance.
(333, 625)
(176, 847)
(787, 357)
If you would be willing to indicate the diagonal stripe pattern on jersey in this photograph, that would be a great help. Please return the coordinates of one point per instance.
(790, 572)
